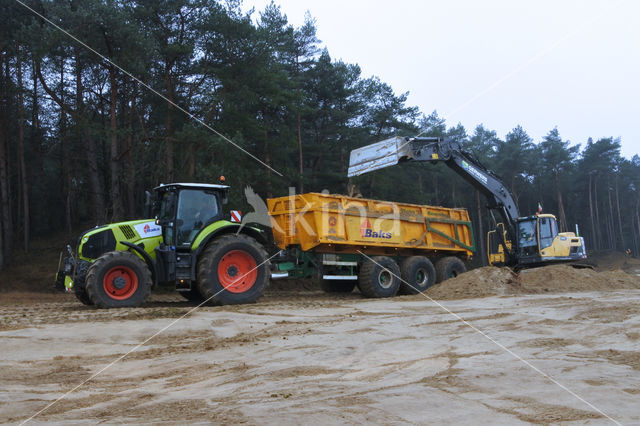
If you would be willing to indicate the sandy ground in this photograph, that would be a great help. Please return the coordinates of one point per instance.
(312, 358)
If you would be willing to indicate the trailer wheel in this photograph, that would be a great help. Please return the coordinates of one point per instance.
(378, 277)
(337, 286)
(118, 279)
(233, 269)
(418, 274)
(449, 267)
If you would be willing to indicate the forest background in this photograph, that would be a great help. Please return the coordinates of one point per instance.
(81, 140)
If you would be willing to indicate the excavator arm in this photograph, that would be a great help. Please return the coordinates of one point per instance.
(398, 150)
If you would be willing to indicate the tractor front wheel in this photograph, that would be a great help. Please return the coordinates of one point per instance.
(233, 269)
(81, 294)
(118, 279)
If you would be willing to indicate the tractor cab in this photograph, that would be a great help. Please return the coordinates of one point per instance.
(184, 209)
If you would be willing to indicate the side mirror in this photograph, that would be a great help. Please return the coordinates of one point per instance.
(168, 212)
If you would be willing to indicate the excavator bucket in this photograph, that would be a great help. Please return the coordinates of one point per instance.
(379, 155)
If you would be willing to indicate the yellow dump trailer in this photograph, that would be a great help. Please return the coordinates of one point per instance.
(329, 223)
(384, 247)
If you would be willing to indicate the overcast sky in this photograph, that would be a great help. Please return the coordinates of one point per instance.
(570, 64)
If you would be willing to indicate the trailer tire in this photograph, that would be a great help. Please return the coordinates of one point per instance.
(224, 261)
(337, 286)
(449, 267)
(418, 274)
(379, 277)
(118, 279)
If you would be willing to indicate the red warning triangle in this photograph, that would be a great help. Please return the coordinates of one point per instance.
(364, 226)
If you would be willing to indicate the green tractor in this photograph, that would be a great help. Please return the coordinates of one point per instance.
(191, 244)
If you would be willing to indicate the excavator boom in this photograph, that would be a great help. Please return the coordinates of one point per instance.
(515, 250)
(395, 150)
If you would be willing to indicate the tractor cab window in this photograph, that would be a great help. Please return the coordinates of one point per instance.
(548, 231)
(527, 237)
(196, 208)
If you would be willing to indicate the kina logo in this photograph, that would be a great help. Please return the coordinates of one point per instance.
(147, 228)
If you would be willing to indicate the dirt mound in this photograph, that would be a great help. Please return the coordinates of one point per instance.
(612, 260)
(486, 281)
(492, 281)
(565, 278)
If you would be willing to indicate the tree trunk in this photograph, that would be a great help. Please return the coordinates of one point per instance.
(300, 162)
(598, 224)
(593, 225)
(191, 168)
(4, 196)
(619, 218)
(116, 200)
(131, 171)
(638, 227)
(23, 168)
(95, 183)
(6, 236)
(65, 156)
(612, 242)
(169, 125)
(267, 161)
(561, 215)
(2, 138)
(481, 247)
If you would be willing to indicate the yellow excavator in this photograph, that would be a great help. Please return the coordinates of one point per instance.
(517, 241)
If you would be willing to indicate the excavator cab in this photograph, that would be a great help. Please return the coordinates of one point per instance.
(540, 242)
(527, 237)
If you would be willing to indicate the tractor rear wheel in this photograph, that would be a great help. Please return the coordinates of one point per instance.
(233, 269)
(418, 274)
(449, 267)
(118, 279)
(379, 277)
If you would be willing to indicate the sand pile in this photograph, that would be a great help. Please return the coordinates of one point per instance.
(612, 260)
(565, 278)
(492, 281)
(487, 281)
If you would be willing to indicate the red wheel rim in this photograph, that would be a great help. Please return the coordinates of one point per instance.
(120, 282)
(237, 271)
